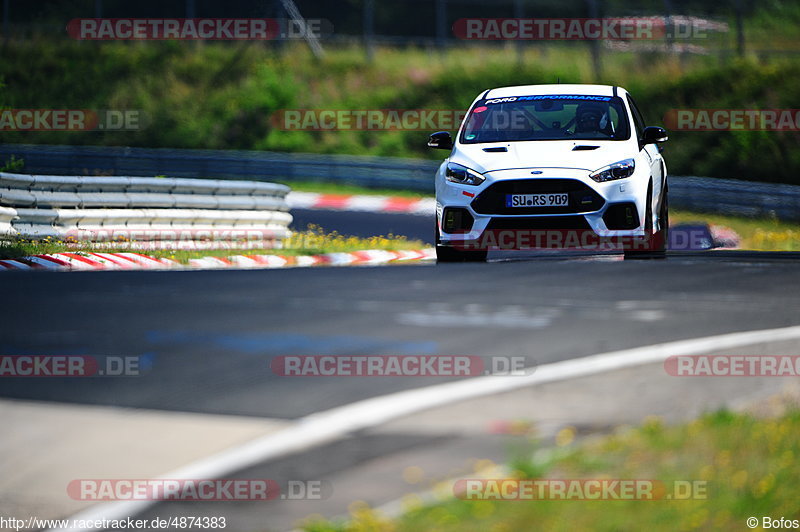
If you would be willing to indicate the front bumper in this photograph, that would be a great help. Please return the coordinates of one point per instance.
(610, 209)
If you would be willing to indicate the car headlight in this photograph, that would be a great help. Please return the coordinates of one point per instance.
(462, 175)
(617, 170)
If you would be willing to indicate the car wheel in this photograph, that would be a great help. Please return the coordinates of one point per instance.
(662, 237)
(451, 254)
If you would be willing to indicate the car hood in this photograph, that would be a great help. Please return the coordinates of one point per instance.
(541, 154)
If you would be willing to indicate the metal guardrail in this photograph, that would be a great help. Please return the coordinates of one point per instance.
(139, 192)
(734, 197)
(38, 206)
(722, 196)
(414, 174)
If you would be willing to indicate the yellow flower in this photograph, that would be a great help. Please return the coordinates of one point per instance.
(739, 479)
(565, 436)
(723, 458)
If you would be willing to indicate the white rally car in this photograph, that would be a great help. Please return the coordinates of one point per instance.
(560, 158)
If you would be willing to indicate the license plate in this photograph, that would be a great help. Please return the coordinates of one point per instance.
(537, 200)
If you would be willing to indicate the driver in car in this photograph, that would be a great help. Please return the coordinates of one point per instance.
(591, 117)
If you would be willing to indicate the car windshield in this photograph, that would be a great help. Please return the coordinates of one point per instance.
(547, 117)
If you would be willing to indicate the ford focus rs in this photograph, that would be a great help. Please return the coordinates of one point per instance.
(551, 166)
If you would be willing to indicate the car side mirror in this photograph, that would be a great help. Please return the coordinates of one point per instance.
(653, 134)
(441, 140)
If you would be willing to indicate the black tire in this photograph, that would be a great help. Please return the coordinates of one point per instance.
(451, 254)
(657, 241)
(663, 223)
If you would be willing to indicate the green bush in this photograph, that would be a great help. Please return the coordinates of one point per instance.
(224, 95)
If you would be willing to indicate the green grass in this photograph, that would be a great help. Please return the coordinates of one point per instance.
(750, 466)
(322, 187)
(312, 241)
(761, 234)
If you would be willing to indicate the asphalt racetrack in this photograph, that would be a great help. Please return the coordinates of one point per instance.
(205, 341)
(221, 329)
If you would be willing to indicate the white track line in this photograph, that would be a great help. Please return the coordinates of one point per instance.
(329, 425)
